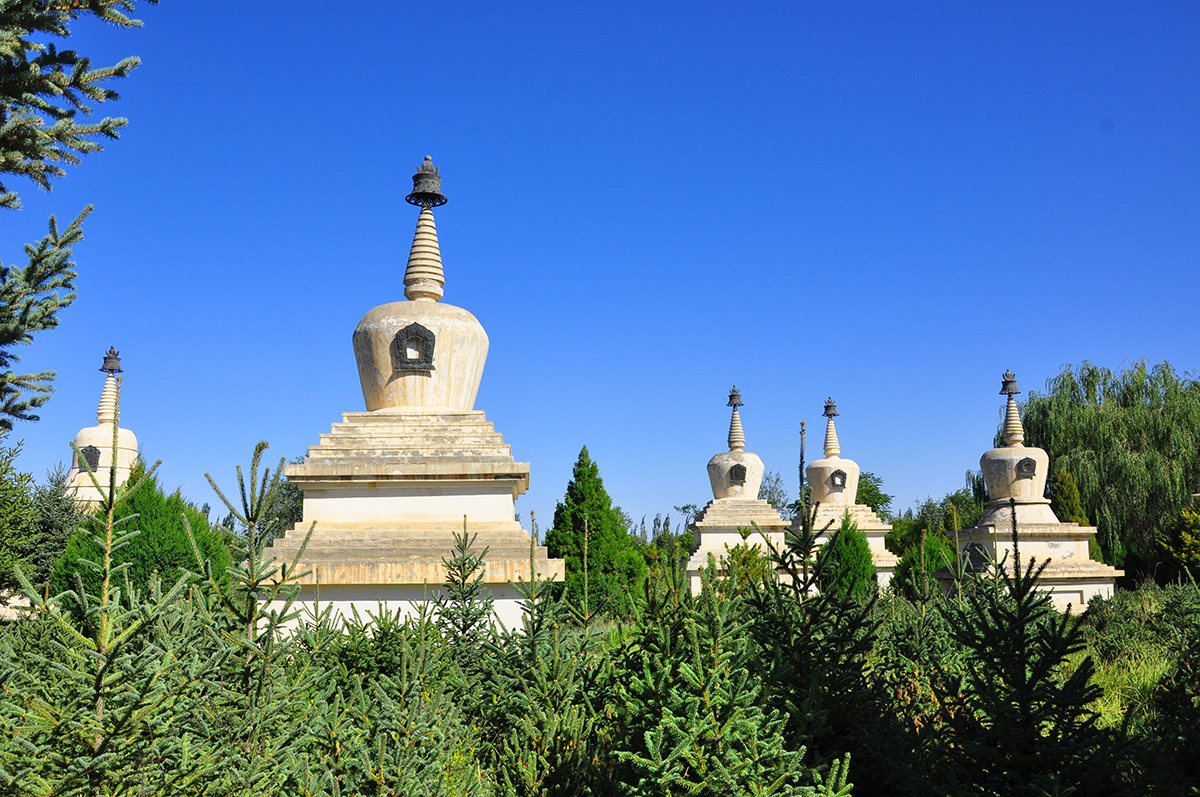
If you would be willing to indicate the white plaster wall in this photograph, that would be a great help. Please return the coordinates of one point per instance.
(423, 501)
(369, 599)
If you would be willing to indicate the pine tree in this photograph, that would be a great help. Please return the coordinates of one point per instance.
(695, 723)
(1015, 726)
(163, 548)
(586, 523)
(107, 690)
(17, 516)
(849, 568)
(43, 93)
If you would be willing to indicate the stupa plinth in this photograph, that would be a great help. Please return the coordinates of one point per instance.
(1015, 475)
(735, 476)
(95, 444)
(834, 484)
(389, 487)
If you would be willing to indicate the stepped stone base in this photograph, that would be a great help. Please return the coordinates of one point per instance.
(829, 516)
(388, 490)
(1071, 576)
(717, 527)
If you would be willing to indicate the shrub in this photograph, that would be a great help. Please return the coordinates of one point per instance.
(849, 568)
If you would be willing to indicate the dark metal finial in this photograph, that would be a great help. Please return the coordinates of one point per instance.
(112, 361)
(1009, 388)
(735, 398)
(830, 408)
(427, 187)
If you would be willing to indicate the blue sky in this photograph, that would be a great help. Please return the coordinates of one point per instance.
(889, 204)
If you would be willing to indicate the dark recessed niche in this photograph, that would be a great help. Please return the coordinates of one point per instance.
(1026, 468)
(412, 349)
(92, 455)
(837, 480)
(737, 474)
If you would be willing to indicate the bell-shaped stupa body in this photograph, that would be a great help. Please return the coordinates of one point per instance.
(834, 484)
(1017, 507)
(736, 514)
(389, 488)
(94, 444)
(420, 353)
(1014, 471)
(834, 481)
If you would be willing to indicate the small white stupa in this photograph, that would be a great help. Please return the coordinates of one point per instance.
(834, 483)
(389, 487)
(94, 444)
(1016, 482)
(736, 476)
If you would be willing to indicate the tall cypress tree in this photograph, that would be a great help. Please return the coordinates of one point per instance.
(615, 567)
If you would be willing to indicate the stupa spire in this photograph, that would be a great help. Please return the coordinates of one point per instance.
(107, 411)
(737, 438)
(424, 278)
(1013, 433)
(832, 447)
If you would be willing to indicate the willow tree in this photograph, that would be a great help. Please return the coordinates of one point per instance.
(1130, 439)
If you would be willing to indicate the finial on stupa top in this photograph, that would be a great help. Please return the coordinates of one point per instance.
(832, 447)
(737, 438)
(427, 186)
(1013, 433)
(107, 411)
(424, 278)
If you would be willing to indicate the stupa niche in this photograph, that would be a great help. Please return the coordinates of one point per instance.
(95, 444)
(389, 487)
(834, 483)
(1015, 476)
(736, 476)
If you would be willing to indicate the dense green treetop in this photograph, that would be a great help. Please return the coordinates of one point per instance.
(870, 493)
(161, 547)
(615, 567)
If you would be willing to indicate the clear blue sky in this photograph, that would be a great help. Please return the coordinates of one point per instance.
(889, 204)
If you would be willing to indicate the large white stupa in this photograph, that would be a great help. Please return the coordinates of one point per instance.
(389, 487)
(736, 514)
(1015, 476)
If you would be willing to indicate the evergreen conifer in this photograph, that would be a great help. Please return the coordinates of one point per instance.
(44, 93)
(585, 522)
(849, 568)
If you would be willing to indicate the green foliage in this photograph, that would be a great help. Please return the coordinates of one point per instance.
(913, 576)
(163, 546)
(1064, 499)
(585, 522)
(744, 565)
(17, 515)
(34, 524)
(1131, 442)
(43, 93)
(695, 721)
(849, 568)
(870, 493)
(811, 651)
(774, 492)
(1179, 542)
(1022, 728)
(957, 510)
